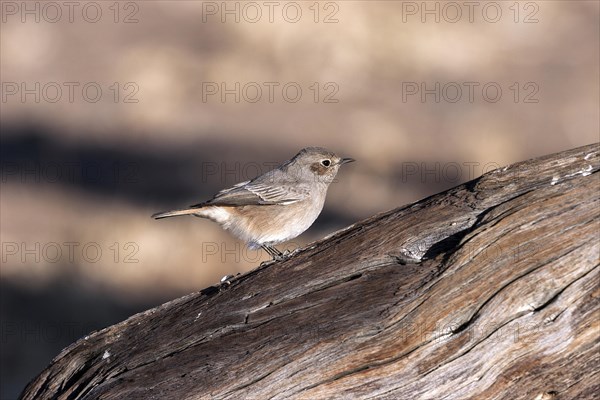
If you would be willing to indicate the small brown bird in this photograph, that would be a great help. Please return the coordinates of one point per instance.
(276, 206)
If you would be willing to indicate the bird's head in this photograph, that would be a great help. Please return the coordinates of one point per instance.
(317, 163)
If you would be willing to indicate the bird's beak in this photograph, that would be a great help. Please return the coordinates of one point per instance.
(346, 160)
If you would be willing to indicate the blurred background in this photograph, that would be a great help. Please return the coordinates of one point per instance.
(112, 111)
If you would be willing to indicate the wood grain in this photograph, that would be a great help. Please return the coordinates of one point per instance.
(486, 291)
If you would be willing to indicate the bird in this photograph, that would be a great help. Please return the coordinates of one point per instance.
(276, 206)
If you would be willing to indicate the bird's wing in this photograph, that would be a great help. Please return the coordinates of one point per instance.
(278, 194)
(258, 193)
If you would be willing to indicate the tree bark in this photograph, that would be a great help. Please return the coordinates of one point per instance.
(488, 290)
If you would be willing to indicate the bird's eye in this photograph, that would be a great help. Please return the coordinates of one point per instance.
(326, 163)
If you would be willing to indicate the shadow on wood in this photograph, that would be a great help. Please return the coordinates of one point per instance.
(488, 290)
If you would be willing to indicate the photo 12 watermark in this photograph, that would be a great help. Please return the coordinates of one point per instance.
(269, 92)
(231, 173)
(455, 172)
(452, 12)
(69, 172)
(491, 333)
(470, 92)
(417, 251)
(237, 252)
(253, 12)
(69, 92)
(52, 12)
(69, 252)
(438, 172)
(496, 251)
(43, 332)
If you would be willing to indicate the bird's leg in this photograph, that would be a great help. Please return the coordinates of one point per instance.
(273, 252)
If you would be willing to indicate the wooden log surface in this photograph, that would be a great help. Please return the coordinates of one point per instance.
(488, 290)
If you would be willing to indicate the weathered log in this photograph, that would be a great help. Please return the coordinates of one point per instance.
(488, 290)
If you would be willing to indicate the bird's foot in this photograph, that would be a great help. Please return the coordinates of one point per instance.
(289, 253)
(276, 254)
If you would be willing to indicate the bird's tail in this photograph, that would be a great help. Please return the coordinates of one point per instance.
(175, 213)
